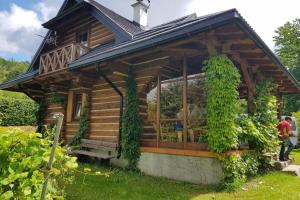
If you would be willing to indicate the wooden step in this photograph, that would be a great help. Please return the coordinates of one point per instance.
(148, 142)
(92, 154)
(149, 136)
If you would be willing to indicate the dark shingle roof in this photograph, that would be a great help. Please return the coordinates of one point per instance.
(21, 78)
(122, 22)
(164, 32)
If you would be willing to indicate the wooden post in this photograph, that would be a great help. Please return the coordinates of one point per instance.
(59, 122)
(158, 110)
(70, 106)
(184, 102)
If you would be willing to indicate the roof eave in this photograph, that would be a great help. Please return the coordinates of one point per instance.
(27, 77)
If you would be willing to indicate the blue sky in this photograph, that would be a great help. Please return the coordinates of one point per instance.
(20, 20)
(28, 4)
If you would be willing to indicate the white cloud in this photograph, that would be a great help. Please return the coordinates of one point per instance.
(19, 27)
(48, 8)
(15, 27)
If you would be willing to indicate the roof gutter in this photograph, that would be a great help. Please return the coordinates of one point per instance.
(101, 74)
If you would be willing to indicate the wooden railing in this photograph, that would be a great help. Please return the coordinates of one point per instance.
(58, 59)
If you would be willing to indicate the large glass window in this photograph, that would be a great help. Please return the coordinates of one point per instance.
(196, 108)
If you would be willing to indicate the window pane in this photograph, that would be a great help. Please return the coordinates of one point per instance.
(77, 106)
(196, 112)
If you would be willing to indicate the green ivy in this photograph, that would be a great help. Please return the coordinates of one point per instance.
(83, 127)
(265, 114)
(132, 124)
(223, 79)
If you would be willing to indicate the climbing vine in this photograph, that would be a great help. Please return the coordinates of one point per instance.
(83, 127)
(132, 124)
(223, 79)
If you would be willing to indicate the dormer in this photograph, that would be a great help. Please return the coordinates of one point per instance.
(79, 27)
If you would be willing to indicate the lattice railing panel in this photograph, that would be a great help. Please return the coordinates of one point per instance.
(59, 58)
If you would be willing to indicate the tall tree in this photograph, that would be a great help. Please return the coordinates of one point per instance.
(287, 48)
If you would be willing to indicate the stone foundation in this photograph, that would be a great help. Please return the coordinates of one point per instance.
(199, 170)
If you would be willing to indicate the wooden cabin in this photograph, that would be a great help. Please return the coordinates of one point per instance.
(89, 50)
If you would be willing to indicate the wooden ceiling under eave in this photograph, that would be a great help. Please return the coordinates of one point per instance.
(229, 39)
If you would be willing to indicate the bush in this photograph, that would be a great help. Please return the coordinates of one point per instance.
(237, 168)
(23, 160)
(17, 112)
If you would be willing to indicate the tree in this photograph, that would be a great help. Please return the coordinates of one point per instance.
(287, 48)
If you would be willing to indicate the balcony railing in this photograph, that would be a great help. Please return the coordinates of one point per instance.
(58, 59)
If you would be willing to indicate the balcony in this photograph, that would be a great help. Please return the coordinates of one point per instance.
(59, 58)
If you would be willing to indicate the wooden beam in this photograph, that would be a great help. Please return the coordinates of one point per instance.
(184, 102)
(244, 67)
(70, 106)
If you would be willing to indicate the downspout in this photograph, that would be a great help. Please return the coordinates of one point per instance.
(101, 74)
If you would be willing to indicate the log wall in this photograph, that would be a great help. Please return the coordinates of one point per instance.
(97, 33)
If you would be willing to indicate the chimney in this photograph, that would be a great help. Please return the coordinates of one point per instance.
(140, 15)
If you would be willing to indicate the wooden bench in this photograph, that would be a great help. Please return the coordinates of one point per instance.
(92, 146)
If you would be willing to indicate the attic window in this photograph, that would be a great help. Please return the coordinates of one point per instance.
(82, 38)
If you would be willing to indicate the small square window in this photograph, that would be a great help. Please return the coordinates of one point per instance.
(82, 38)
(77, 106)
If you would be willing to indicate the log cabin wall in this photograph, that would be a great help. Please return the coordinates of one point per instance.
(105, 110)
(97, 33)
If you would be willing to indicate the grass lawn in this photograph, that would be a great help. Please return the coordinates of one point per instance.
(122, 184)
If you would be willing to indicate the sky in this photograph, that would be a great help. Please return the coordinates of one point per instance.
(20, 20)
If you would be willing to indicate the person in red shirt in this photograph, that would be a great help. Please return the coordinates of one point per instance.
(285, 131)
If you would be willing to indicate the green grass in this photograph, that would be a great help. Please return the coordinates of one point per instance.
(123, 185)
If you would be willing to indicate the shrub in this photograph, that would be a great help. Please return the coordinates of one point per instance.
(234, 172)
(223, 79)
(237, 168)
(23, 160)
(17, 112)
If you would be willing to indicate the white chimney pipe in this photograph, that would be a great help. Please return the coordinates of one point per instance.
(140, 13)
